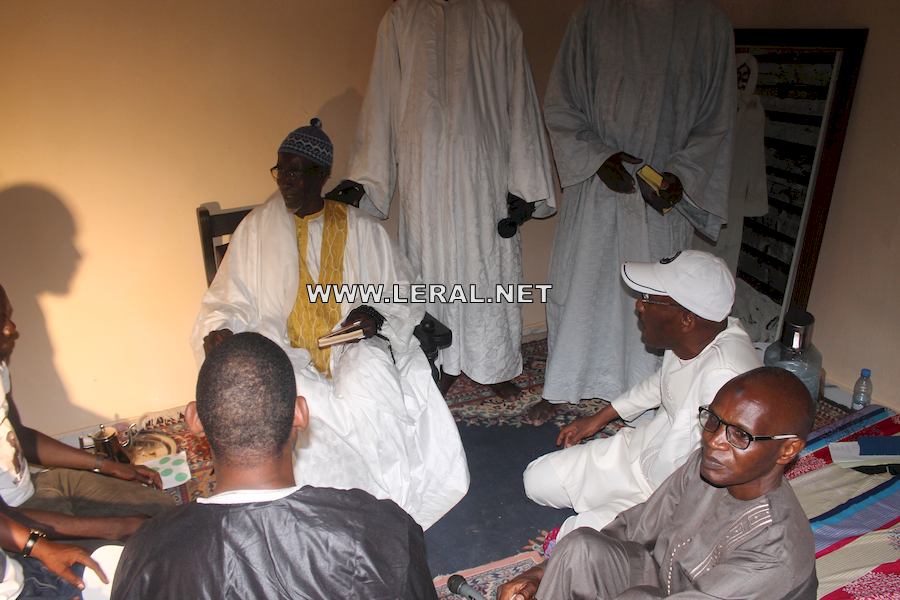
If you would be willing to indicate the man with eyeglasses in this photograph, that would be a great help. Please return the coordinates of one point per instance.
(682, 309)
(725, 525)
(379, 421)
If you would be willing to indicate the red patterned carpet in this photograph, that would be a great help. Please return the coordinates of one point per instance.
(487, 578)
(475, 404)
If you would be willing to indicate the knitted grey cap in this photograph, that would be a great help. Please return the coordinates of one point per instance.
(310, 142)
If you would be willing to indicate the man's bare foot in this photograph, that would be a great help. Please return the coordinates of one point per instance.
(446, 382)
(540, 413)
(505, 389)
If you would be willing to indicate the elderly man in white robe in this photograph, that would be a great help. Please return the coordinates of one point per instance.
(452, 124)
(379, 422)
(639, 81)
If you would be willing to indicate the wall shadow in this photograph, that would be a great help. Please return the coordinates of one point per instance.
(37, 256)
(340, 116)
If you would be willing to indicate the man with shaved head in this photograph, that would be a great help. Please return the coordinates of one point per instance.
(261, 535)
(725, 525)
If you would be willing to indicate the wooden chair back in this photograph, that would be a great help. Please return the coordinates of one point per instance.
(213, 231)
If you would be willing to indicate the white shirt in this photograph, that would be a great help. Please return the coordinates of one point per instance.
(15, 480)
(247, 496)
(13, 580)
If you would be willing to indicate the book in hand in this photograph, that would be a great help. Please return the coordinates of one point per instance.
(348, 333)
(650, 181)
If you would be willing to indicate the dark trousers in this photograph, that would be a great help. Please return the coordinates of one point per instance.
(41, 583)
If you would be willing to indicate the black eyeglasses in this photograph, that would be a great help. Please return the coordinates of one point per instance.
(282, 173)
(736, 436)
(646, 299)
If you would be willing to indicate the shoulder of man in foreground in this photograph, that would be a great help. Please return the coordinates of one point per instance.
(364, 536)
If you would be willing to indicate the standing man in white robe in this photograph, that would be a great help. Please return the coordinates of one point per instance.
(378, 421)
(451, 123)
(640, 81)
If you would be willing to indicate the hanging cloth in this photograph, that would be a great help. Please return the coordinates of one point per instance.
(309, 321)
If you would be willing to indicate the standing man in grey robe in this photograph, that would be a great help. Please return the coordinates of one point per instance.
(640, 81)
(725, 525)
(452, 124)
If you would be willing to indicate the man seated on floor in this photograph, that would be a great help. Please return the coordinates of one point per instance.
(683, 309)
(260, 535)
(725, 525)
(379, 422)
(81, 495)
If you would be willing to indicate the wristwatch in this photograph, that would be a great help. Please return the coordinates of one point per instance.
(33, 537)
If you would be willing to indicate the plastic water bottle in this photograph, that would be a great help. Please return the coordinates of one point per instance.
(862, 391)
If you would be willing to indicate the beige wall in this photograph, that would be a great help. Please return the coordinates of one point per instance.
(543, 25)
(118, 119)
(856, 291)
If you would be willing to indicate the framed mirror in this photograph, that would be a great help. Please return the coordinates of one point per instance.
(805, 83)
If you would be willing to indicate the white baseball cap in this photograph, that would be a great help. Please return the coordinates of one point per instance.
(698, 281)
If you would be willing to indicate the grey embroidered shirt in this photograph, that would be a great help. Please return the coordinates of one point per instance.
(706, 543)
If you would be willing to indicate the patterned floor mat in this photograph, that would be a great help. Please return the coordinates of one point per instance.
(488, 578)
(475, 404)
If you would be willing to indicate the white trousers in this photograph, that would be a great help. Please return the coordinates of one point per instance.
(598, 479)
(383, 428)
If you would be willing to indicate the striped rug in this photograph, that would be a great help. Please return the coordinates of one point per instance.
(855, 517)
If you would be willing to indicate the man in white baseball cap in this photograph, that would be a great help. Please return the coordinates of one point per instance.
(698, 281)
(682, 308)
